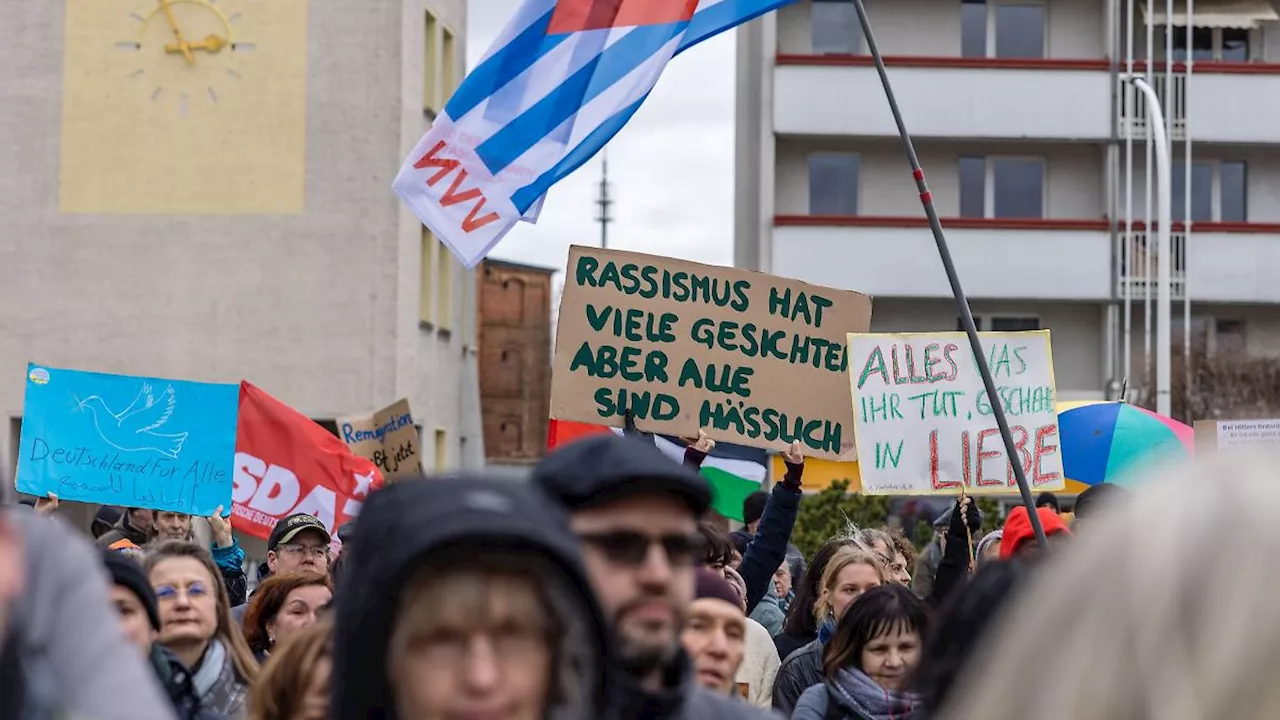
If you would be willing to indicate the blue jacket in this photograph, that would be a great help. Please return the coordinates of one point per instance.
(230, 562)
(768, 549)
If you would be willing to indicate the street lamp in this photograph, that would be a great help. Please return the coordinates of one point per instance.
(1164, 250)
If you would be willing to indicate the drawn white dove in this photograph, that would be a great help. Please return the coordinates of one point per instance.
(133, 429)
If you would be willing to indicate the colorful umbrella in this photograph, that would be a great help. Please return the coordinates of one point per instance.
(1114, 442)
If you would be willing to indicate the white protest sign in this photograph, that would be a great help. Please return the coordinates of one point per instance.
(924, 424)
(1237, 434)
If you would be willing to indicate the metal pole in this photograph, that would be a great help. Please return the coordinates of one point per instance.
(1131, 111)
(604, 202)
(1186, 216)
(962, 302)
(1148, 256)
(1165, 204)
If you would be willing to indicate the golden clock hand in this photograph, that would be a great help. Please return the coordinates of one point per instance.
(182, 45)
(212, 44)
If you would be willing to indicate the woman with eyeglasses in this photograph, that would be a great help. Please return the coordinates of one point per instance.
(196, 625)
(466, 598)
(281, 607)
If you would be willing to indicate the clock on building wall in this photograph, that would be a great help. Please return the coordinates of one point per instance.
(184, 106)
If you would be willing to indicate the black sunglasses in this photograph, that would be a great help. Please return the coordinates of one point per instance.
(631, 548)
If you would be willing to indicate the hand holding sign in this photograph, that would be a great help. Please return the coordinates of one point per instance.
(47, 505)
(220, 528)
(702, 443)
(794, 455)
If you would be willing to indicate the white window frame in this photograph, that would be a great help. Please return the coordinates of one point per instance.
(991, 24)
(989, 187)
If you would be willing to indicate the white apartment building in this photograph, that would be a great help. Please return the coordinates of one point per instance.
(1018, 115)
(230, 216)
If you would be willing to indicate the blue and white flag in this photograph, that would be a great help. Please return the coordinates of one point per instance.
(560, 81)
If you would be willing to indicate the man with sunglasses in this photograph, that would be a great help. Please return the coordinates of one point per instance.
(636, 514)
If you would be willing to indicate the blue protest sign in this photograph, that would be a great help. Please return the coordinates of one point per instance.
(129, 441)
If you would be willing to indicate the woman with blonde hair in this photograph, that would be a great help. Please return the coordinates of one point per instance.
(1163, 625)
(294, 684)
(849, 573)
(196, 625)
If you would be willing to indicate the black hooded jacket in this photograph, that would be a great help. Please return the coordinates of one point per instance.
(407, 523)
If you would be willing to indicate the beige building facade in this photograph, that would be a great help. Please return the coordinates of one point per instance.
(224, 211)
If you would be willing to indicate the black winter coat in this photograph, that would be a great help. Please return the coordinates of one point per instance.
(801, 670)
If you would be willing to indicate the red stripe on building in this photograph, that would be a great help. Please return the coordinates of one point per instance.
(578, 15)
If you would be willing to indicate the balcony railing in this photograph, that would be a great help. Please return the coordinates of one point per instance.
(1137, 255)
(1135, 115)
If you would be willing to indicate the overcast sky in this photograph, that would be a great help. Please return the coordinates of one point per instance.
(671, 167)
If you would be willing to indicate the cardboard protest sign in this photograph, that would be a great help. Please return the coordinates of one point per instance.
(751, 358)
(925, 424)
(130, 441)
(1220, 435)
(286, 463)
(388, 438)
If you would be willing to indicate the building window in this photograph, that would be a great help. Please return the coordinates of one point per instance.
(1229, 335)
(442, 449)
(430, 69)
(1219, 191)
(1207, 44)
(833, 184)
(973, 28)
(1017, 187)
(1019, 30)
(1014, 324)
(1234, 192)
(997, 323)
(448, 65)
(444, 287)
(835, 28)
(426, 274)
(973, 187)
(1003, 30)
(1201, 191)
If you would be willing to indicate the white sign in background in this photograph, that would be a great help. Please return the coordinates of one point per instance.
(1236, 434)
(925, 426)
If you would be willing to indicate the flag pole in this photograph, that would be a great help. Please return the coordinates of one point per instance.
(962, 302)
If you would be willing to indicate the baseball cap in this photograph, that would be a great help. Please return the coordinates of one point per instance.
(607, 467)
(128, 574)
(288, 528)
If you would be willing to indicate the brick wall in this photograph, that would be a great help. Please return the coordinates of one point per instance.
(515, 359)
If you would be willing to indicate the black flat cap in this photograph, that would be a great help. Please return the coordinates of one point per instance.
(607, 467)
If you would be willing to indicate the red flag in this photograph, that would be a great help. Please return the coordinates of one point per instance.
(286, 463)
(563, 432)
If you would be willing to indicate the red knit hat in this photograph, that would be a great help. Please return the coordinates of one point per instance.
(1017, 528)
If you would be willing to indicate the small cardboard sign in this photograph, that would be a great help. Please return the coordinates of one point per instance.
(926, 426)
(388, 438)
(1225, 435)
(752, 359)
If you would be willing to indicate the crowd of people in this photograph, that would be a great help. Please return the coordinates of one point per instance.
(605, 589)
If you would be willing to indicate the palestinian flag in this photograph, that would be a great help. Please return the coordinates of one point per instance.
(734, 471)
